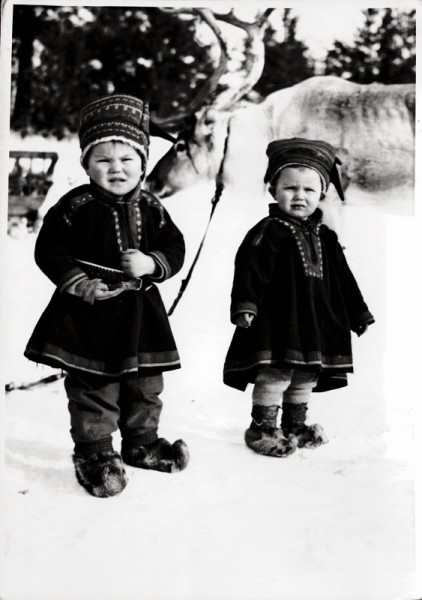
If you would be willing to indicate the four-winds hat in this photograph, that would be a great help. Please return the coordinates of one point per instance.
(315, 154)
(118, 117)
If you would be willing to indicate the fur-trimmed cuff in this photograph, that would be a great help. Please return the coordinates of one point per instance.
(162, 270)
(243, 307)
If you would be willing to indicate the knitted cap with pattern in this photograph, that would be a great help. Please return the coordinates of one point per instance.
(118, 117)
(315, 154)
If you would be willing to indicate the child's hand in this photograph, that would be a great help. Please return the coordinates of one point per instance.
(244, 320)
(93, 289)
(103, 292)
(360, 330)
(136, 264)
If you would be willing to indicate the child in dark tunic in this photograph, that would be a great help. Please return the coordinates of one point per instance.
(105, 245)
(295, 302)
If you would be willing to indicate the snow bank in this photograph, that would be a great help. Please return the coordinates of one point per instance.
(336, 523)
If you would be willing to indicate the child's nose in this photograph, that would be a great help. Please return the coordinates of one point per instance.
(115, 167)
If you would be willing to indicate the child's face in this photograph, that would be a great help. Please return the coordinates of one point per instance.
(115, 166)
(298, 191)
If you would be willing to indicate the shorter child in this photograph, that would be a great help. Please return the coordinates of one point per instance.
(295, 302)
(105, 246)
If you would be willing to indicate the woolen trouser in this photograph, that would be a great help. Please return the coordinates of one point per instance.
(274, 386)
(98, 408)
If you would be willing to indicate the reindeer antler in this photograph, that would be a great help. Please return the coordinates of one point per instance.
(211, 84)
(254, 54)
(231, 18)
(252, 65)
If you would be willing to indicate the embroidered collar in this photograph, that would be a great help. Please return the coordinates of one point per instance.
(112, 201)
(308, 224)
(306, 236)
(110, 198)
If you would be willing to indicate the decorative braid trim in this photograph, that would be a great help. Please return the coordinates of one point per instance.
(162, 264)
(142, 148)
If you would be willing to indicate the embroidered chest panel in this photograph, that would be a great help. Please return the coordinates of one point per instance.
(118, 227)
(308, 244)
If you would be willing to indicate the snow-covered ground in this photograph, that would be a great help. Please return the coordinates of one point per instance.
(336, 523)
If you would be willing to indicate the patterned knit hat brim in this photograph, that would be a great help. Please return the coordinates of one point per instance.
(115, 138)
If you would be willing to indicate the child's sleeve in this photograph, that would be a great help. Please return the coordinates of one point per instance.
(359, 313)
(169, 250)
(254, 264)
(52, 251)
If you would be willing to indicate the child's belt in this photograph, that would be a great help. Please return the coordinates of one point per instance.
(114, 278)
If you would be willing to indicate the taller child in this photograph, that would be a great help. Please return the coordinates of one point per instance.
(295, 302)
(105, 245)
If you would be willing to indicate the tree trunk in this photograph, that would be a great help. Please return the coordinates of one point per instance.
(24, 32)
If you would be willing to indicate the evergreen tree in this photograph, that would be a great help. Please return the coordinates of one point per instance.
(73, 55)
(397, 47)
(286, 62)
(383, 50)
(29, 23)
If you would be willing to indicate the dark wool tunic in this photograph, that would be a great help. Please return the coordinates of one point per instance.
(293, 276)
(128, 334)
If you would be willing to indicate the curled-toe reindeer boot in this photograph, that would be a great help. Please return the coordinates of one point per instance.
(293, 422)
(100, 473)
(160, 455)
(264, 437)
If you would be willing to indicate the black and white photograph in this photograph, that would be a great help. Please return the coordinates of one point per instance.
(210, 306)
